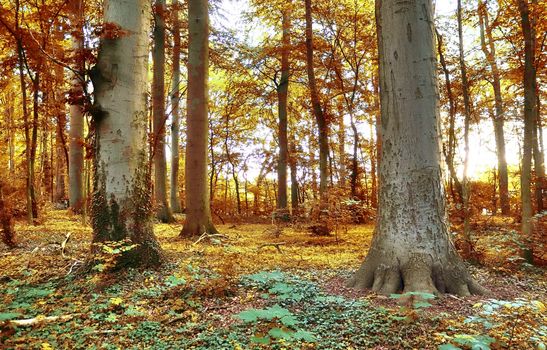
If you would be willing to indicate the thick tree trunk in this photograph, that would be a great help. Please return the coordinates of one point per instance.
(175, 105)
(411, 249)
(121, 206)
(282, 95)
(76, 131)
(198, 211)
(322, 125)
(163, 211)
(530, 116)
(498, 119)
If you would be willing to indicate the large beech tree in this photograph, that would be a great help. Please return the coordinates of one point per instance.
(198, 211)
(121, 206)
(411, 249)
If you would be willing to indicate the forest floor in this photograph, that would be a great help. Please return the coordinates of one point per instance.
(253, 288)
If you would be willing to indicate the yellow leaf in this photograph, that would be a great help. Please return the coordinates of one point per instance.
(46, 346)
(539, 305)
(116, 301)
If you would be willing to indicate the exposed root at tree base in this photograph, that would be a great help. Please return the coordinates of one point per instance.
(418, 274)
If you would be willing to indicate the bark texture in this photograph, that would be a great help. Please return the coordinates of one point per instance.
(198, 211)
(411, 249)
(121, 205)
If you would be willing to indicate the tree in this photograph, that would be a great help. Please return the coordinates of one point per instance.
(467, 120)
(320, 118)
(175, 99)
(449, 150)
(282, 95)
(121, 206)
(530, 115)
(163, 211)
(411, 248)
(198, 211)
(76, 131)
(489, 50)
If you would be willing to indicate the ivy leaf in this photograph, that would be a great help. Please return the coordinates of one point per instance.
(448, 347)
(4, 316)
(261, 340)
(304, 336)
(279, 333)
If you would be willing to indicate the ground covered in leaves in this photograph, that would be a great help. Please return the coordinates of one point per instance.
(255, 286)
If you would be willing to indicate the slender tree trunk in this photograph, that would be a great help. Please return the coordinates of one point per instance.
(539, 166)
(498, 118)
(34, 141)
(316, 107)
(282, 95)
(121, 206)
(411, 249)
(467, 120)
(354, 162)
(6, 222)
(198, 211)
(530, 116)
(450, 150)
(294, 180)
(60, 160)
(163, 211)
(342, 153)
(76, 132)
(175, 105)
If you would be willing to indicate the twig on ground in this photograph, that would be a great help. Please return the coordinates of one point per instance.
(63, 245)
(209, 236)
(275, 245)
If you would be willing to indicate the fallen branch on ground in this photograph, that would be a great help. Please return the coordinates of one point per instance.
(275, 245)
(42, 319)
(209, 236)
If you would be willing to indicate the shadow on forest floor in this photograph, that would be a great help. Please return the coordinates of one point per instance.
(251, 288)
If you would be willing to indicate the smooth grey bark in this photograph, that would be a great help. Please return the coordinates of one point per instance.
(282, 95)
(411, 249)
(198, 211)
(498, 119)
(175, 105)
(163, 211)
(121, 206)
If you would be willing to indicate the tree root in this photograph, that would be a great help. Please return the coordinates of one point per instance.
(417, 274)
